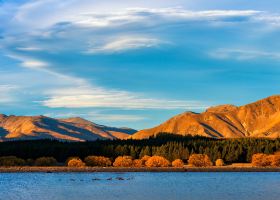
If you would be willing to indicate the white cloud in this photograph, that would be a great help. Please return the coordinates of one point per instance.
(29, 62)
(29, 48)
(89, 96)
(7, 94)
(98, 116)
(244, 54)
(122, 44)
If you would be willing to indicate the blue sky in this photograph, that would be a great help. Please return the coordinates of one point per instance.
(135, 63)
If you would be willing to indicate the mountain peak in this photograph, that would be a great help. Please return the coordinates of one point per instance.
(222, 108)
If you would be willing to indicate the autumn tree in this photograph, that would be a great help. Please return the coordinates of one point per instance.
(99, 161)
(219, 162)
(123, 161)
(157, 161)
(178, 163)
(76, 162)
(199, 160)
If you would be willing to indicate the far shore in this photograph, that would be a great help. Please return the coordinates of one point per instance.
(58, 169)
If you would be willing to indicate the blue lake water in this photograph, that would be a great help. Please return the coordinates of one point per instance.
(140, 186)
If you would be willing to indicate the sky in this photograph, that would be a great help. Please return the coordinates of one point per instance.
(136, 63)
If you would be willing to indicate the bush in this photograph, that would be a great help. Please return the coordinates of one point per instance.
(145, 158)
(11, 161)
(157, 161)
(99, 161)
(141, 162)
(219, 162)
(138, 163)
(261, 160)
(275, 160)
(45, 161)
(178, 163)
(123, 161)
(76, 162)
(199, 160)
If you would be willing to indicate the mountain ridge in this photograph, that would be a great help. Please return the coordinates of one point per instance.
(70, 129)
(257, 119)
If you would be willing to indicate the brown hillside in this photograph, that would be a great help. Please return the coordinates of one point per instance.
(41, 127)
(258, 119)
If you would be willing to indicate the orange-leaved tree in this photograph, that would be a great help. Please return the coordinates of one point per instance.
(99, 161)
(178, 163)
(157, 161)
(123, 161)
(199, 160)
(75, 162)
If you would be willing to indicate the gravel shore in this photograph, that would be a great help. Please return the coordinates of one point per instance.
(142, 169)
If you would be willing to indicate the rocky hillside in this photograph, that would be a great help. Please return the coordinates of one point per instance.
(258, 119)
(71, 129)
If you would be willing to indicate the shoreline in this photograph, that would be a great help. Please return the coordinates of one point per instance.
(128, 169)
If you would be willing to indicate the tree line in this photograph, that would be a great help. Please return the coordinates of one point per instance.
(169, 146)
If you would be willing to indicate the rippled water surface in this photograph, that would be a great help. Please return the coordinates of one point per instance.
(140, 186)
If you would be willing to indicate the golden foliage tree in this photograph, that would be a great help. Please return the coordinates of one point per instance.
(199, 160)
(123, 161)
(178, 163)
(76, 162)
(219, 162)
(157, 161)
(141, 162)
(99, 161)
(261, 160)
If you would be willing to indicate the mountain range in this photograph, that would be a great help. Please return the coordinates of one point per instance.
(70, 129)
(258, 119)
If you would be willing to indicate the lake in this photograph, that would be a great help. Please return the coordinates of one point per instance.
(140, 186)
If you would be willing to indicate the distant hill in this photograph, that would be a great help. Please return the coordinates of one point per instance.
(258, 119)
(71, 129)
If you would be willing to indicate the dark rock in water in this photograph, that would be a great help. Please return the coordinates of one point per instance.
(109, 179)
(120, 178)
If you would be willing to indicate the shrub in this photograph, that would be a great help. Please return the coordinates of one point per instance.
(45, 161)
(199, 160)
(99, 161)
(261, 160)
(157, 161)
(76, 162)
(219, 162)
(11, 161)
(138, 163)
(275, 160)
(145, 158)
(141, 162)
(178, 163)
(123, 161)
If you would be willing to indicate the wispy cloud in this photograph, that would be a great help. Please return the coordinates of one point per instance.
(29, 62)
(244, 54)
(98, 116)
(90, 96)
(7, 94)
(122, 44)
(29, 48)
